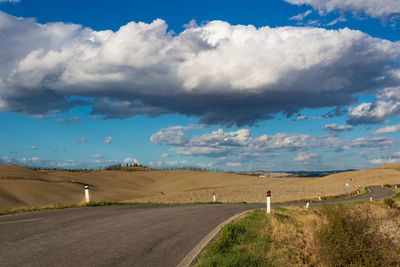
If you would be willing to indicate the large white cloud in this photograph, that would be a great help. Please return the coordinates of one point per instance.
(376, 112)
(221, 73)
(385, 107)
(374, 8)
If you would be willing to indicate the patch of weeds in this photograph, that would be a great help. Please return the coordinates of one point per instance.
(284, 218)
(102, 203)
(390, 202)
(351, 237)
(281, 209)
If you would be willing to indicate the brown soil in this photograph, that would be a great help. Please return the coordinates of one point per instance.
(22, 187)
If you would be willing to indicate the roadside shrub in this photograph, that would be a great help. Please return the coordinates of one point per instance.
(387, 185)
(351, 238)
(390, 202)
(101, 203)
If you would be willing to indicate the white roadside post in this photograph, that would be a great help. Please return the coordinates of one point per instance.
(319, 197)
(87, 193)
(268, 201)
(308, 204)
(370, 199)
(214, 199)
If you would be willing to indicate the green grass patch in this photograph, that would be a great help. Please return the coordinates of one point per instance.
(281, 209)
(240, 244)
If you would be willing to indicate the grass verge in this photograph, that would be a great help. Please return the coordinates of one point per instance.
(43, 208)
(240, 244)
(354, 234)
(346, 196)
(349, 195)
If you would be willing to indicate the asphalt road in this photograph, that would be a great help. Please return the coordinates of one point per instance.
(129, 235)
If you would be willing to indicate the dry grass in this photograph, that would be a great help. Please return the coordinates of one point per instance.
(292, 232)
(291, 236)
(358, 235)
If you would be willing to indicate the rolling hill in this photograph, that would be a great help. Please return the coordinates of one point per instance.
(22, 187)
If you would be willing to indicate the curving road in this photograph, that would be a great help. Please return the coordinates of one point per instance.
(129, 235)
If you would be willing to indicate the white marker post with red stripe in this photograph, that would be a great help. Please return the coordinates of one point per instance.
(87, 193)
(269, 201)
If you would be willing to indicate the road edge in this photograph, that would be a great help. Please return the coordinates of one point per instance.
(191, 256)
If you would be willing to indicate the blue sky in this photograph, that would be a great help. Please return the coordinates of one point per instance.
(241, 85)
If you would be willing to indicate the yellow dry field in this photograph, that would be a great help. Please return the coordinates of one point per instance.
(23, 187)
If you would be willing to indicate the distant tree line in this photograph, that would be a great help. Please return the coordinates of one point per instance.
(137, 167)
(67, 170)
(114, 167)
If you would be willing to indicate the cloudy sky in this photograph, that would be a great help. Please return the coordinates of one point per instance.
(237, 85)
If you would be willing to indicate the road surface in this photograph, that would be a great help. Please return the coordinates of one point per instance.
(126, 235)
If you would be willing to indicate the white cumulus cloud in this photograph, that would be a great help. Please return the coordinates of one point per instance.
(376, 112)
(374, 8)
(377, 142)
(337, 128)
(129, 160)
(306, 157)
(301, 16)
(107, 140)
(224, 74)
(97, 156)
(387, 129)
(220, 142)
(381, 161)
(234, 164)
(300, 118)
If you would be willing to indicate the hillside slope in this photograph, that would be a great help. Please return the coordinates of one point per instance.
(21, 186)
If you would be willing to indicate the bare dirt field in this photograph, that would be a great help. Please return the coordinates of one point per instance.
(24, 187)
